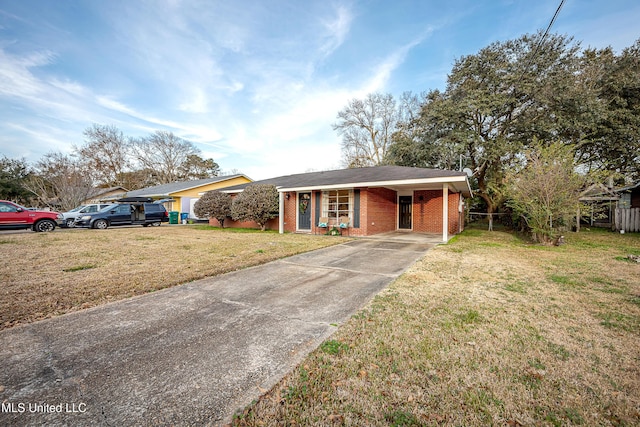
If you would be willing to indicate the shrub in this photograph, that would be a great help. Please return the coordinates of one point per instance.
(258, 202)
(545, 191)
(213, 204)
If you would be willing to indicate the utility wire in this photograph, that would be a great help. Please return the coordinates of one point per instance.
(544, 36)
(536, 49)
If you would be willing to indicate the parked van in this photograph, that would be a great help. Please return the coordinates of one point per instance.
(130, 213)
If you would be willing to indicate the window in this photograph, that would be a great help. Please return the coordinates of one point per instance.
(6, 207)
(625, 201)
(336, 204)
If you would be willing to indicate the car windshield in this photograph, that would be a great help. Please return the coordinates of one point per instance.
(109, 207)
(77, 209)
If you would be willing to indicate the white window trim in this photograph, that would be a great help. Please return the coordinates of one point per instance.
(324, 202)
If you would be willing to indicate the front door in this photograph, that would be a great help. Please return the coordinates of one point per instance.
(304, 211)
(404, 212)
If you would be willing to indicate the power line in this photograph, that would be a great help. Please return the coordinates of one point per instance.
(544, 36)
(537, 48)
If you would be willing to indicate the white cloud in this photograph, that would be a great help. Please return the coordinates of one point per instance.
(16, 78)
(383, 71)
(337, 30)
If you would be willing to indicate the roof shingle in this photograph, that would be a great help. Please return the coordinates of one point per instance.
(174, 187)
(370, 174)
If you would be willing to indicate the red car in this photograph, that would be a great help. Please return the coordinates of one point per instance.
(14, 216)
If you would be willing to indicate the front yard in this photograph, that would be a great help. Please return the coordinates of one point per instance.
(487, 330)
(47, 274)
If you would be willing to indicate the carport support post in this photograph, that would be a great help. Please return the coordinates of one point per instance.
(281, 212)
(445, 212)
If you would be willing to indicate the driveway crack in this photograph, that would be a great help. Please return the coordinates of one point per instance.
(327, 267)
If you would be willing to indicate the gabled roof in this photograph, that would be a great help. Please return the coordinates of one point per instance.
(95, 192)
(598, 192)
(165, 190)
(374, 176)
(629, 187)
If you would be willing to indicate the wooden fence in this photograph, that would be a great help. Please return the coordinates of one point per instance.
(628, 220)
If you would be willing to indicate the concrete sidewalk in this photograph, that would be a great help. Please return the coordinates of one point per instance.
(195, 353)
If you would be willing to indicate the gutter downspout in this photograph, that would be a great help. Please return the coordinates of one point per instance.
(281, 212)
(445, 213)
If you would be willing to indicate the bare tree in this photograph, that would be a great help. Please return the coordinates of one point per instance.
(60, 181)
(106, 153)
(366, 126)
(165, 154)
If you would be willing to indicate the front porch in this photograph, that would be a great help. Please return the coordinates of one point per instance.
(373, 211)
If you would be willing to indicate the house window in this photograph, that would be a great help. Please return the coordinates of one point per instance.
(625, 201)
(336, 204)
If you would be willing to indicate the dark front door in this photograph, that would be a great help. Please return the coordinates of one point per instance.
(404, 220)
(304, 211)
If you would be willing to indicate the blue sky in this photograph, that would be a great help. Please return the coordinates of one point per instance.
(256, 85)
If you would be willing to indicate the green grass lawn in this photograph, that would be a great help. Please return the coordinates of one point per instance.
(486, 330)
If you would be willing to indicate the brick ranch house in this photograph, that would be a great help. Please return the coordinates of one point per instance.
(368, 201)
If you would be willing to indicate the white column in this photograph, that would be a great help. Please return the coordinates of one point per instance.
(445, 212)
(281, 212)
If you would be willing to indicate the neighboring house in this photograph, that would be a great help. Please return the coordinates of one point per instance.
(600, 201)
(375, 200)
(184, 194)
(629, 196)
(627, 216)
(99, 194)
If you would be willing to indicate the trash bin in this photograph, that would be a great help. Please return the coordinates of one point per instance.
(173, 217)
(184, 216)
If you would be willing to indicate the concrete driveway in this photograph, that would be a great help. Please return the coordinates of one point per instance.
(195, 353)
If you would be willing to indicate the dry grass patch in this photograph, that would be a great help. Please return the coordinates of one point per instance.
(47, 274)
(487, 330)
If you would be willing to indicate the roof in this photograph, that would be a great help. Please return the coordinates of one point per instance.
(374, 176)
(100, 191)
(598, 192)
(165, 190)
(629, 187)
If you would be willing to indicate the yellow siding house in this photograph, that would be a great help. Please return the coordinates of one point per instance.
(183, 195)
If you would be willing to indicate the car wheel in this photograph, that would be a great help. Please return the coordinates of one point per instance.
(44, 225)
(70, 222)
(155, 224)
(100, 224)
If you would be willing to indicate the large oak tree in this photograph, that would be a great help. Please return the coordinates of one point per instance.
(495, 102)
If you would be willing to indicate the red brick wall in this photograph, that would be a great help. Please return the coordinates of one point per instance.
(272, 224)
(427, 213)
(378, 210)
(290, 212)
(454, 215)
(378, 213)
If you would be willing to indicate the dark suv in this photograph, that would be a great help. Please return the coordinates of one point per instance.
(137, 213)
